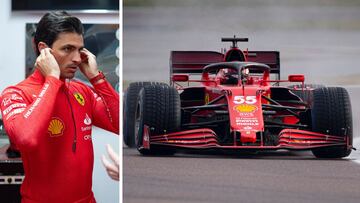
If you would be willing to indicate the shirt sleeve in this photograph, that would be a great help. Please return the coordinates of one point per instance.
(26, 122)
(106, 107)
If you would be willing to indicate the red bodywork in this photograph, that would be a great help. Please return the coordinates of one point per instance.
(245, 102)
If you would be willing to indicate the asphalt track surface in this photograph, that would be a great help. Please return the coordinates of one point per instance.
(283, 176)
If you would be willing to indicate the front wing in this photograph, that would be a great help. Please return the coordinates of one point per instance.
(205, 138)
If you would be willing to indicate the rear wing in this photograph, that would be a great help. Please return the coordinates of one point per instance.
(191, 62)
(270, 58)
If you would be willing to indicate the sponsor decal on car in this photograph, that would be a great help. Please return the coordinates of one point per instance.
(247, 121)
(245, 108)
(247, 128)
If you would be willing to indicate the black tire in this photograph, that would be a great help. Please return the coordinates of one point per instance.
(158, 107)
(130, 101)
(331, 114)
(307, 94)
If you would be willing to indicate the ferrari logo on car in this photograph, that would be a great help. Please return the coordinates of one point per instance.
(79, 98)
(245, 108)
(207, 98)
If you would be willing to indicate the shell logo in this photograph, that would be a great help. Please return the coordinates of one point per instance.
(56, 127)
(245, 108)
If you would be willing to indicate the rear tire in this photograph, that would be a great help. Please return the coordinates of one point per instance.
(158, 107)
(130, 102)
(331, 114)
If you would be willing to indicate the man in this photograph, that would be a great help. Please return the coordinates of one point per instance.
(48, 117)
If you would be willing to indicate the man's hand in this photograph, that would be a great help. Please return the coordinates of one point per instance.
(47, 63)
(88, 64)
(112, 168)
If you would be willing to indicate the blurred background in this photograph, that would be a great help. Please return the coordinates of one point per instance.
(318, 38)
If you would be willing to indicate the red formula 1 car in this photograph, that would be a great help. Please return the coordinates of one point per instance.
(234, 100)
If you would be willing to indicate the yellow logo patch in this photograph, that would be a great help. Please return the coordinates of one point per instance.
(207, 98)
(56, 127)
(79, 98)
(245, 108)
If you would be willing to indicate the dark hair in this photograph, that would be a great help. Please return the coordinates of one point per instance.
(54, 23)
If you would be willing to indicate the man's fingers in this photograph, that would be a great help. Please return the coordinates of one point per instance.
(47, 51)
(42, 54)
(111, 169)
(108, 165)
(114, 176)
(113, 155)
(42, 51)
(37, 61)
(105, 162)
(87, 52)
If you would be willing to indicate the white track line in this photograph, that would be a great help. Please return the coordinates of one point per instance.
(355, 155)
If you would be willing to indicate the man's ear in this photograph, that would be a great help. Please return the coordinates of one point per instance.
(42, 45)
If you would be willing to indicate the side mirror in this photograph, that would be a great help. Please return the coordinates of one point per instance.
(180, 77)
(296, 78)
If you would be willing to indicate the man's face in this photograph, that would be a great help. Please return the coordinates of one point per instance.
(66, 50)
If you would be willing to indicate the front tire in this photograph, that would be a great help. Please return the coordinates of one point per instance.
(158, 107)
(331, 114)
(130, 102)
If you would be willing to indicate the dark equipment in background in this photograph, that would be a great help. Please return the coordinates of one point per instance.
(69, 5)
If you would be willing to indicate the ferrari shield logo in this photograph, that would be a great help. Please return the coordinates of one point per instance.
(207, 98)
(79, 98)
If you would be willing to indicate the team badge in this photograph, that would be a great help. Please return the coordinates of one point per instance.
(56, 127)
(79, 98)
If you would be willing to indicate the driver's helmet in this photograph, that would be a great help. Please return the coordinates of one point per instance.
(231, 77)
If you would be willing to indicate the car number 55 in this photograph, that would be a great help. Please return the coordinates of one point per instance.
(243, 99)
